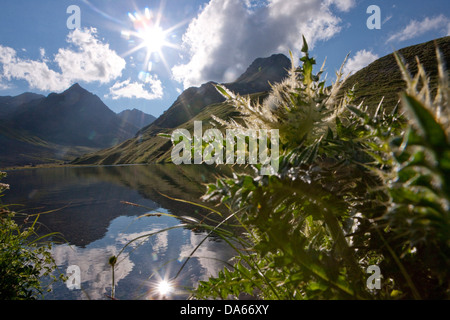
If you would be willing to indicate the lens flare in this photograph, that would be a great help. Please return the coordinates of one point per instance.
(147, 29)
(153, 38)
(164, 288)
(149, 35)
(146, 33)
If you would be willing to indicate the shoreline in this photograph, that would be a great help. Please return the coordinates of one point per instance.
(37, 166)
(70, 165)
(56, 164)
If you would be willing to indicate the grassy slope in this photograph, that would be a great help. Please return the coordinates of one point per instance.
(380, 79)
(20, 148)
(150, 148)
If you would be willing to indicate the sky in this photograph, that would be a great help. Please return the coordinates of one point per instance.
(143, 54)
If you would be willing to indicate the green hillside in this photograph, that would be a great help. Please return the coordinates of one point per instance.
(19, 148)
(148, 147)
(382, 78)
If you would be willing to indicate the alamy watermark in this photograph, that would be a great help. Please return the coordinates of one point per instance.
(74, 20)
(73, 281)
(374, 281)
(374, 21)
(237, 147)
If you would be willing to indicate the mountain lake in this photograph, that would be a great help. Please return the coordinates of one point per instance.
(97, 211)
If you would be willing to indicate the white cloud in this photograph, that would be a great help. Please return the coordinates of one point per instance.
(210, 254)
(91, 61)
(95, 271)
(4, 86)
(36, 73)
(42, 52)
(343, 5)
(388, 18)
(128, 89)
(227, 35)
(417, 28)
(361, 59)
(7, 55)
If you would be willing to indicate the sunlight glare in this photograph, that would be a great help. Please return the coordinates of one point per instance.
(164, 287)
(149, 35)
(153, 38)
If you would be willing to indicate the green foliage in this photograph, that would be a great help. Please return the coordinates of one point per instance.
(418, 220)
(352, 190)
(24, 258)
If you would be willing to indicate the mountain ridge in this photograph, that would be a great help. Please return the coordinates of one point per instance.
(45, 129)
(136, 117)
(256, 78)
(73, 117)
(9, 103)
(22, 140)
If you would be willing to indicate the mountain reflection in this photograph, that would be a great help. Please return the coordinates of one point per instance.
(90, 213)
(87, 199)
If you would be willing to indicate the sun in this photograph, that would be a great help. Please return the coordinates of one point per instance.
(164, 287)
(161, 288)
(148, 34)
(148, 30)
(153, 38)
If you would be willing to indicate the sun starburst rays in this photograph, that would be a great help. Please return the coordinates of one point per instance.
(148, 34)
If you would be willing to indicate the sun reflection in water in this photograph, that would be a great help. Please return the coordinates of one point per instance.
(164, 288)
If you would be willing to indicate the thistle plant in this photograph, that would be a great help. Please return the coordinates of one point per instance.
(418, 219)
(354, 189)
(301, 106)
(296, 217)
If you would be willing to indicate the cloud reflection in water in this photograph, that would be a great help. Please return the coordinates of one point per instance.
(144, 264)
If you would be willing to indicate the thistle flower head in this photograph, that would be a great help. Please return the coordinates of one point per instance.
(300, 106)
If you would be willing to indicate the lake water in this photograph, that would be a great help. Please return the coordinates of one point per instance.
(87, 205)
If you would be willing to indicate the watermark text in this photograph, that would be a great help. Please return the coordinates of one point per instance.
(237, 147)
